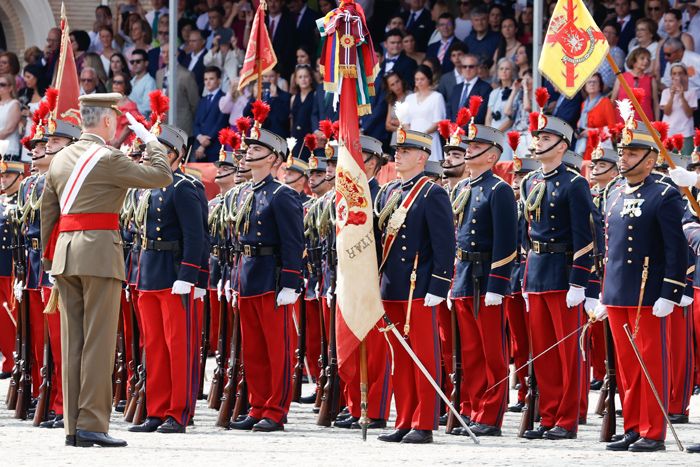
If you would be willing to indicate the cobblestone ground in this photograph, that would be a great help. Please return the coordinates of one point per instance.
(304, 443)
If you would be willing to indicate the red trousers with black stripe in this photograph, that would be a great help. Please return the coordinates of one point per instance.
(484, 360)
(266, 343)
(518, 319)
(417, 403)
(681, 354)
(36, 336)
(639, 406)
(172, 350)
(54, 321)
(558, 371)
(8, 331)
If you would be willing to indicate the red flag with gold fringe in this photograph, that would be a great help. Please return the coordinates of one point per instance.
(259, 55)
(67, 106)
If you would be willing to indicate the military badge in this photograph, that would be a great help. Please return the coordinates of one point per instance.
(328, 151)
(39, 133)
(52, 126)
(472, 131)
(695, 157)
(347, 41)
(626, 136)
(313, 162)
(660, 160)
(222, 155)
(597, 153)
(3, 167)
(541, 122)
(517, 164)
(290, 161)
(455, 139)
(632, 207)
(400, 136)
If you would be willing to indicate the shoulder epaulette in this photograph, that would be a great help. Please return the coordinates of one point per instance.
(576, 173)
(668, 185)
(183, 178)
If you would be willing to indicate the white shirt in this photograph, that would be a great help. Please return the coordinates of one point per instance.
(194, 57)
(623, 21)
(692, 62)
(678, 121)
(274, 21)
(694, 30)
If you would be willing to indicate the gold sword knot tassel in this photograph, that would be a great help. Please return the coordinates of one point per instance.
(412, 287)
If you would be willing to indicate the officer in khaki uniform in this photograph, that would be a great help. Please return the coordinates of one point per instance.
(85, 189)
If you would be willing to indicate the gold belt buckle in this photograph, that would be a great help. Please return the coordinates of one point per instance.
(35, 243)
(215, 251)
(247, 250)
(536, 247)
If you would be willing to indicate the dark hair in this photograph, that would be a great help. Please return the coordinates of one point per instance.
(309, 69)
(675, 12)
(13, 62)
(614, 25)
(392, 33)
(388, 95)
(447, 15)
(480, 9)
(127, 81)
(181, 23)
(308, 52)
(496, 6)
(82, 38)
(106, 9)
(213, 69)
(600, 80)
(105, 27)
(217, 9)
(37, 71)
(651, 24)
(425, 70)
(457, 46)
(434, 66)
(122, 59)
(140, 52)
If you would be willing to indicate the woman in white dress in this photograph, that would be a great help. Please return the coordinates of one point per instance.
(10, 116)
(424, 109)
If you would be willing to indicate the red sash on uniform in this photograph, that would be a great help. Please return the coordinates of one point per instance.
(79, 222)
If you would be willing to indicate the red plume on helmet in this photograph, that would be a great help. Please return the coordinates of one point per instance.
(444, 129)
(542, 97)
(310, 142)
(160, 104)
(696, 137)
(25, 141)
(336, 129)
(235, 141)
(593, 137)
(513, 139)
(41, 112)
(260, 111)
(225, 135)
(534, 121)
(474, 104)
(661, 128)
(463, 117)
(677, 141)
(326, 127)
(51, 98)
(668, 144)
(243, 125)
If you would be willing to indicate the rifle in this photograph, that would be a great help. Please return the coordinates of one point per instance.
(300, 352)
(229, 395)
(204, 349)
(42, 406)
(24, 384)
(119, 366)
(456, 375)
(331, 391)
(608, 427)
(323, 358)
(11, 398)
(132, 393)
(217, 380)
(242, 404)
(139, 411)
(531, 409)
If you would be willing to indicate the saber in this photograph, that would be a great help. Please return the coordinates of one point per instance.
(651, 384)
(9, 313)
(421, 367)
(412, 287)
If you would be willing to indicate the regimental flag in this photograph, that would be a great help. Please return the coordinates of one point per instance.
(67, 105)
(573, 49)
(259, 55)
(359, 305)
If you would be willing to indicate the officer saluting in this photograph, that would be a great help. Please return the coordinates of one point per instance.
(646, 254)
(84, 192)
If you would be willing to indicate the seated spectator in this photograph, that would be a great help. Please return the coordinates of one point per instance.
(281, 26)
(117, 64)
(434, 65)
(499, 112)
(215, 26)
(301, 106)
(439, 8)
(304, 57)
(50, 54)
(188, 94)
(559, 106)
(225, 55)
(522, 107)
(326, 6)
(154, 61)
(395, 59)
(611, 30)
(396, 22)
(496, 15)
(94, 61)
(234, 102)
(159, 9)
(9, 65)
(472, 85)
(655, 11)
(419, 23)
(142, 84)
(192, 57)
(140, 38)
(647, 38)
(440, 49)
(637, 77)
(103, 17)
(306, 31)
(106, 38)
(409, 47)
(10, 116)
(463, 22)
(29, 98)
(678, 103)
(208, 119)
(525, 25)
(396, 91)
(33, 55)
(89, 82)
(597, 112)
(482, 41)
(485, 67)
(279, 100)
(80, 41)
(509, 43)
(426, 109)
(122, 85)
(675, 51)
(448, 81)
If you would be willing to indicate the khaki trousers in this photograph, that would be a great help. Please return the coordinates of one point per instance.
(89, 316)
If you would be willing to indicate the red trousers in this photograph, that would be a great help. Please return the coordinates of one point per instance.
(36, 336)
(313, 336)
(8, 331)
(54, 320)
(518, 319)
(484, 360)
(445, 330)
(214, 312)
(417, 403)
(172, 351)
(696, 333)
(585, 378)
(558, 371)
(640, 408)
(680, 325)
(597, 354)
(266, 338)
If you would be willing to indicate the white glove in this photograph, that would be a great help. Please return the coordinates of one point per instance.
(682, 177)
(139, 130)
(220, 288)
(575, 296)
(591, 304)
(600, 312)
(527, 302)
(662, 308)
(181, 287)
(234, 298)
(686, 301)
(432, 300)
(492, 299)
(127, 293)
(199, 293)
(228, 291)
(287, 296)
(18, 288)
(51, 279)
(449, 300)
(317, 290)
(329, 294)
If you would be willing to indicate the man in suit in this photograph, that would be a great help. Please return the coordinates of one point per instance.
(626, 19)
(448, 81)
(279, 100)
(282, 30)
(305, 23)
(419, 23)
(193, 56)
(441, 49)
(83, 252)
(471, 86)
(374, 124)
(186, 89)
(208, 119)
(482, 41)
(396, 60)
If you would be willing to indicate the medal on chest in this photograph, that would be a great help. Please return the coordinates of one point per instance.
(632, 207)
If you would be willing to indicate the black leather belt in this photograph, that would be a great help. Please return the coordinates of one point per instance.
(481, 256)
(162, 245)
(543, 247)
(254, 250)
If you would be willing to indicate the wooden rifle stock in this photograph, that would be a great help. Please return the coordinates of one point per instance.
(42, 406)
(204, 348)
(608, 427)
(529, 413)
(456, 375)
(331, 391)
(11, 398)
(242, 404)
(24, 384)
(139, 415)
(323, 358)
(229, 394)
(119, 365)
(300, 353)
(132, 393)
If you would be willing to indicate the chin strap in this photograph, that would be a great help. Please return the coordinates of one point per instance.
(247, 159)
(622, 172)
(478, 155)
(605, 171)
(295, 180)
(544, 151)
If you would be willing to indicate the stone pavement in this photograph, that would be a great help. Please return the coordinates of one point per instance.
(304, 443)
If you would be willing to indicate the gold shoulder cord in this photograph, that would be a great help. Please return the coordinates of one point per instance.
(141, 213)
(310, 221)
(534, 200)
(213, 220)
(231, 201)
(34, 202)
(244, 213)
(388, 209)
(460, 203)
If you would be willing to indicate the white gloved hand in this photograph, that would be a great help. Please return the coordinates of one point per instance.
(127, 294)
(181, 287)
(18, 289)
(329, 294)
(287, 296)
(600, 312)
(575, 296)
(228, 291)
(686, 301)
(590, 305)
(662, 308)
(51, 279)
(234, 298)
(220, 288)
(527, 302)
(199, 293)
(139, 130)
(449, 300)
(432, 300)
(317, 290)
(683, 177)
(492, 299)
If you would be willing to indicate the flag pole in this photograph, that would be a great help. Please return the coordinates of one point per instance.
(364, 420)
(263, 3)
(654, 134)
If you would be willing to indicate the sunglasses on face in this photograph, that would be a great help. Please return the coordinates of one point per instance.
(469, 66)
(86, 80)
(118, 82)
(134, 62)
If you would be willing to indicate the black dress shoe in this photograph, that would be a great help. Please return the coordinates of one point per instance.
(316, 409)
(693, 448)
(70, 440)
(374, 423)
(485, 430)
(443, 419)
(596, 384)
(517, 407)
(678, 418)
(418, 437)
(149, 426)
(121, 405)
(615, 438)
(394, 437)
(5, 375)
(647, 445)
(58, 423)
(624, 443)
(245, 424)
(48, 423)
(171, 426)
(582, 421)
(310, 399)
(457, 430)
(558, 432)
(346, 422)
(267, 425)
(696, 391)
(342, 416)
(537, 433)
(86, 439)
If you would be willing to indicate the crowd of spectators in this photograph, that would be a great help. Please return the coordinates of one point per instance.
(433, 55)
